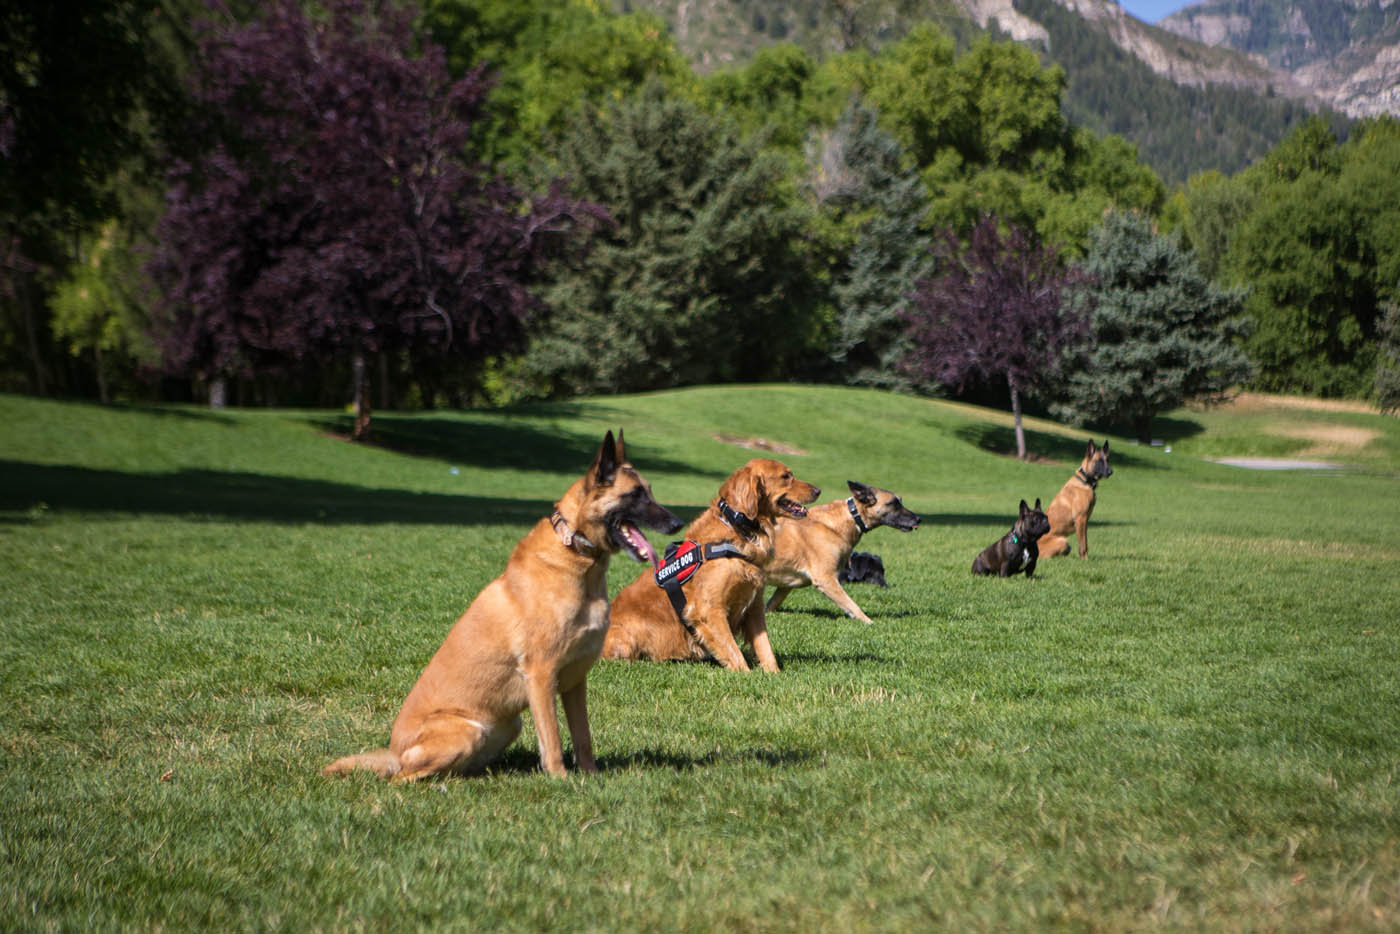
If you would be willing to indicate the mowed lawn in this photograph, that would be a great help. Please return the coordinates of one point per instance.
(1197, 727)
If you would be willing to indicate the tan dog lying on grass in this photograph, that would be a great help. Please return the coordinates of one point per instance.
(1074, 504)
(812, 552)
(531, 634)
(717, 577)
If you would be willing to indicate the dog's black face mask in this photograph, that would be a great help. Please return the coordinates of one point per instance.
(1100, 463)
(896, 516)
(636, 508)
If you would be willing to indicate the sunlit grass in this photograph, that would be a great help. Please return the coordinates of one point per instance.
(1196, 727)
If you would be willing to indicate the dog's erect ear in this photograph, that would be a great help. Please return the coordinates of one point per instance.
(605, 464)
(1037, 504)
(1089, 451)
(1024, 508)
(621, 448)
(864, 494)
(1105, 445)
(742, 490)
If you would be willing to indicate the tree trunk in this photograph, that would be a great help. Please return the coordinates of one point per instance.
(102, 394)
(25, 289)
(386, 399)
(361, 389)
(1016, 412)
(1142, 424)
(218, 392)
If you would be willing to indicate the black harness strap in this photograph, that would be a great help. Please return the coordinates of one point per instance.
(855, 514)
(680, 563)
(1084, 477)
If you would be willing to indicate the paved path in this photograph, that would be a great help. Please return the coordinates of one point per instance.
(1276, 463)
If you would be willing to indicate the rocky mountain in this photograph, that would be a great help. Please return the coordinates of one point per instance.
(1346, 52)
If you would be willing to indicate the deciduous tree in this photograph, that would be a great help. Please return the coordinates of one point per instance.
(994, 310)
(336, 214)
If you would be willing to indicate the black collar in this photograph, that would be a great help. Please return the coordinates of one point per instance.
(736, 520)
(1084, 477)
(855, 514)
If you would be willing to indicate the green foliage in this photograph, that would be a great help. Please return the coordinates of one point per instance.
(986, 131)
(700, 279)
(1212, 211)
(1320, 249)
(550, 57)
(1163, 334)
(101, 306)
(864, 186)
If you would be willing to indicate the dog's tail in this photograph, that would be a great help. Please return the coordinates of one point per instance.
(382, 762)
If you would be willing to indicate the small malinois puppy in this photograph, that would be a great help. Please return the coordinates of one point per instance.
(720, 595)
(1017, 550)
(1072, 506)
(812, 553)
(530, 634)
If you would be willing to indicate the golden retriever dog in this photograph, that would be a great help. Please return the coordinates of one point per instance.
(812, 552)
(719, 588)
(531, 634)
(1074, 504)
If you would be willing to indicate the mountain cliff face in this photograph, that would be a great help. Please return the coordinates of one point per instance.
(1346, 52)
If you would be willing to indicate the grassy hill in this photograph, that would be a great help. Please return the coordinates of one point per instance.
(1197, 726)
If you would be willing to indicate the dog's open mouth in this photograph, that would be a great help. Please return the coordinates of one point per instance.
(796, 510)
(634, 542)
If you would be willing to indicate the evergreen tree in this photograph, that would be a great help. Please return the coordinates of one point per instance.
(1162, 332)
(861, 176)
(699, 280)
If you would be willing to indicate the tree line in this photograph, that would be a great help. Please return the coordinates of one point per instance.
(483, 201)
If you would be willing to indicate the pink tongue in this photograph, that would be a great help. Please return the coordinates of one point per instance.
(639, 541)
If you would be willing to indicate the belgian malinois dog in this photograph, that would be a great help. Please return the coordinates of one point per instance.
(812, 553)
(531, 634)
(1017, 550)
(1072, 506)
(716, 590)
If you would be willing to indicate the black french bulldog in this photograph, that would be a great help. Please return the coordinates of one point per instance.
(1016, 550)
(863, 567)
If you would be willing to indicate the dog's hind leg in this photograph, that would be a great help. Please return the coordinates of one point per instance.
(451, 742)
(1053, 545)
(382, 762)
(778, 597)
(756, 630)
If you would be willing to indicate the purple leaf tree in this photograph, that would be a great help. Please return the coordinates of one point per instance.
(336, 212)
(996, 309)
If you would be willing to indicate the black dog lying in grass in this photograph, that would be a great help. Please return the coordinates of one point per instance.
(1016, 550)
(863, 568)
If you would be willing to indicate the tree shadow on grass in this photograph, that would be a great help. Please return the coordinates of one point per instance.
(1043, 446)
(514, 445)
(248, 496)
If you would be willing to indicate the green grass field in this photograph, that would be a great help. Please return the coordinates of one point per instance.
(1197, 727)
